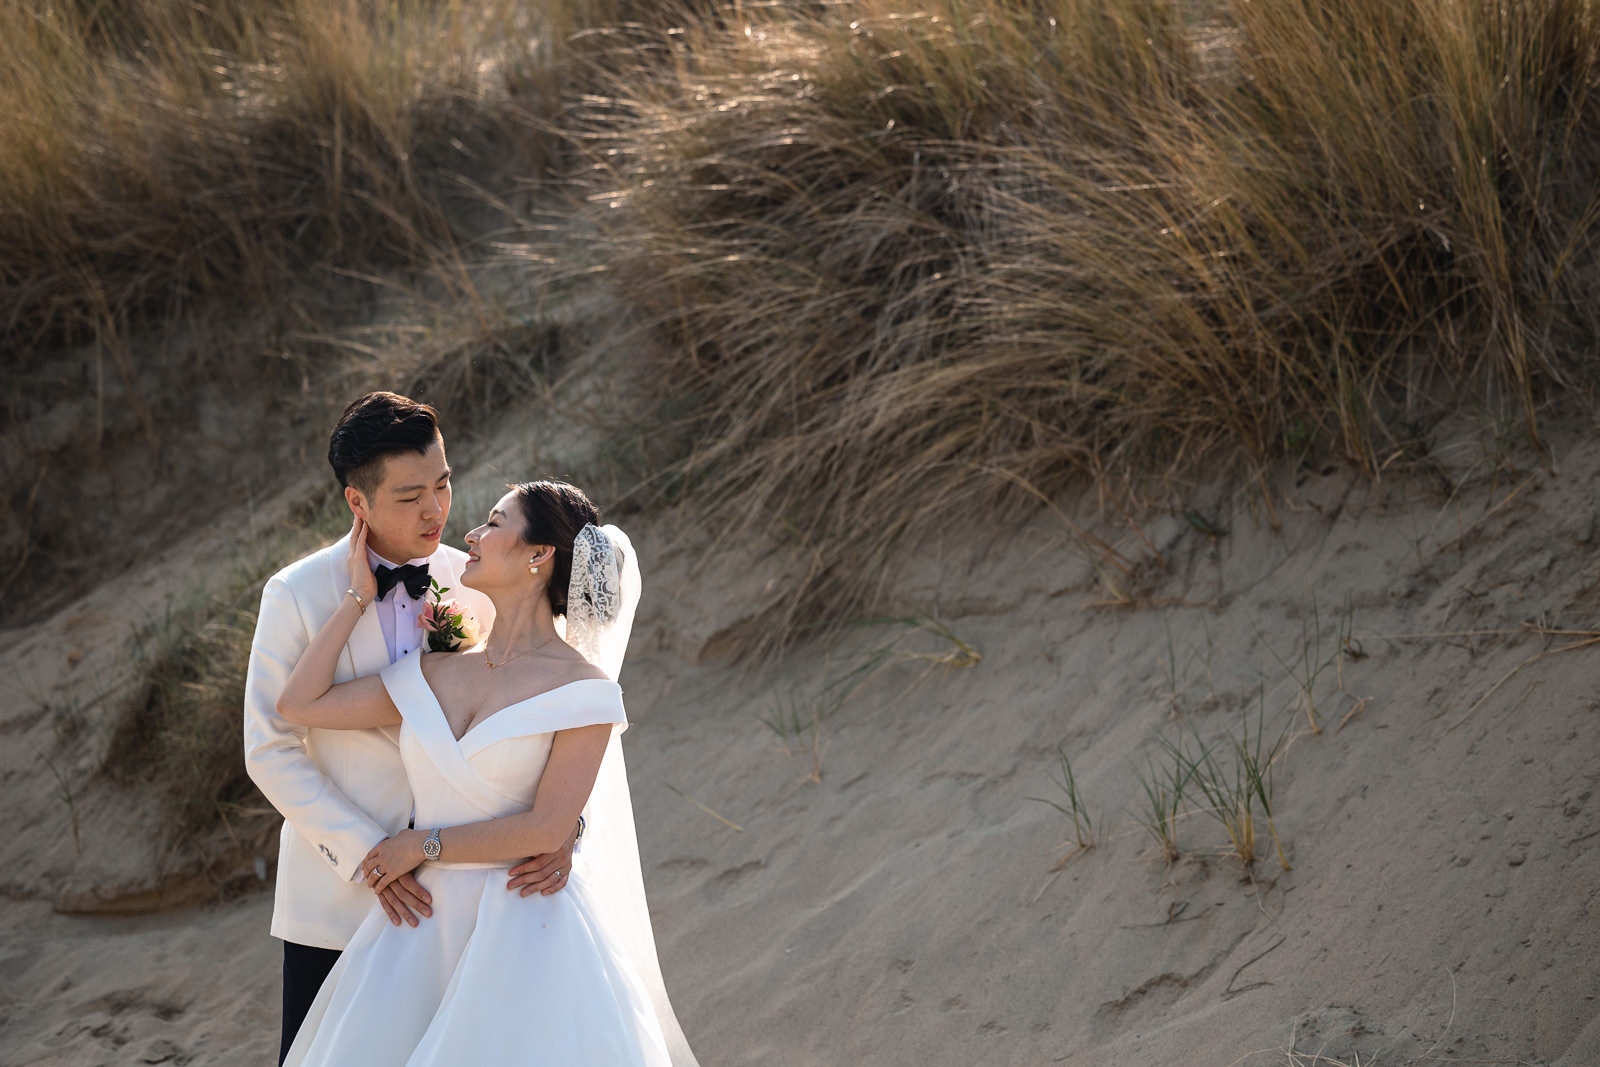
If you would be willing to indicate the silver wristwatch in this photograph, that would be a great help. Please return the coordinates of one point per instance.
(430, 847)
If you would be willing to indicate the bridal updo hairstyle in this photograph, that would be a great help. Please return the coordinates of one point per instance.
(552, 514)
(374, 427)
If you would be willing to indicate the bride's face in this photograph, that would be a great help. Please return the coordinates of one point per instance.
(498, 557)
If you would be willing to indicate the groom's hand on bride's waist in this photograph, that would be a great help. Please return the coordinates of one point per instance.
(544, 874)
(404, 900)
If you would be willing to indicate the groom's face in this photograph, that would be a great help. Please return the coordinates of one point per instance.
(406, 512)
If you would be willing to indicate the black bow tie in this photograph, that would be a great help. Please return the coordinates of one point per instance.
(413, 577)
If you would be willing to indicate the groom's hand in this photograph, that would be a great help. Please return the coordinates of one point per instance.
(404, 899)
(544, 874)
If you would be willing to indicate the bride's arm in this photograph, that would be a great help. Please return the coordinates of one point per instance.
(564, 789)
(309, 697)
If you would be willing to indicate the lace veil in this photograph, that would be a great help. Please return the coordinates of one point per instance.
(601, 601)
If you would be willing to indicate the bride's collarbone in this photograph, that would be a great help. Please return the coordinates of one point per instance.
(468, 692)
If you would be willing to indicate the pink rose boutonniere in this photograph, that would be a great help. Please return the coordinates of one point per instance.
(446, 622)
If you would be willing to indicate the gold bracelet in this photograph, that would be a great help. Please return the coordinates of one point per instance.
(362, 604)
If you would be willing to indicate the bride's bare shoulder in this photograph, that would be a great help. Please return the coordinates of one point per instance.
(574, 668)
(584, 671)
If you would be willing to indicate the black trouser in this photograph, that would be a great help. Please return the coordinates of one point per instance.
(304, 969)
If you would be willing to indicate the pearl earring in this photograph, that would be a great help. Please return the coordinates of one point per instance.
(533, 570)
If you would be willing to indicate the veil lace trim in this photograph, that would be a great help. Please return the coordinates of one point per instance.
(594, 595)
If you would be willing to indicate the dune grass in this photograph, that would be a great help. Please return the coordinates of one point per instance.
(907, 641)
(910, 259)
(797, 720)
(907, 263)
(158, 156)
(1235, 782)
(904, 265)
(1165, 784)
(1087, 831)
(182, 733)
(161, 157)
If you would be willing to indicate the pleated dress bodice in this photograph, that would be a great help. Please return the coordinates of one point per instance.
(495, 768)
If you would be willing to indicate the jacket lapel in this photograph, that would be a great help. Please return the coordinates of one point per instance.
(444, 570)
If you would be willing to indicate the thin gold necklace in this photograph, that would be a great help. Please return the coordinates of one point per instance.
(495, 666)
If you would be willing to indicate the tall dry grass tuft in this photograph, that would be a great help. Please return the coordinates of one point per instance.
(917, 264)
(181, 732)
(160, 155)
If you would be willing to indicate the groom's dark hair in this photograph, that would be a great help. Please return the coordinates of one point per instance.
(373, 428)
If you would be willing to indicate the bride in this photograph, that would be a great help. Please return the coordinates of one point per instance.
(504, 745)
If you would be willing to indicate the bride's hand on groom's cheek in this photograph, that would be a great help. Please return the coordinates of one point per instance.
(362, 580)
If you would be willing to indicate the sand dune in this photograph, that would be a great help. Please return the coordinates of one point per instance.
(903, 909)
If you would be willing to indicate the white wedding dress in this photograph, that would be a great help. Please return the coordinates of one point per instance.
(495, 978)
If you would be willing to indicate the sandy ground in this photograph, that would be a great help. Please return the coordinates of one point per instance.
(904, 907)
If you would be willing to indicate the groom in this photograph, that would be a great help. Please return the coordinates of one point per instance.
(343, 791)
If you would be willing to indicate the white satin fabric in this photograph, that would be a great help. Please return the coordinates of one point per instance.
(494, 977)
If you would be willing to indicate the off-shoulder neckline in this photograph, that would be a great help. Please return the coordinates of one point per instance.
(439, 707)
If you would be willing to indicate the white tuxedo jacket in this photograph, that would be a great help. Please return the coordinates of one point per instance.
(340, 791)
